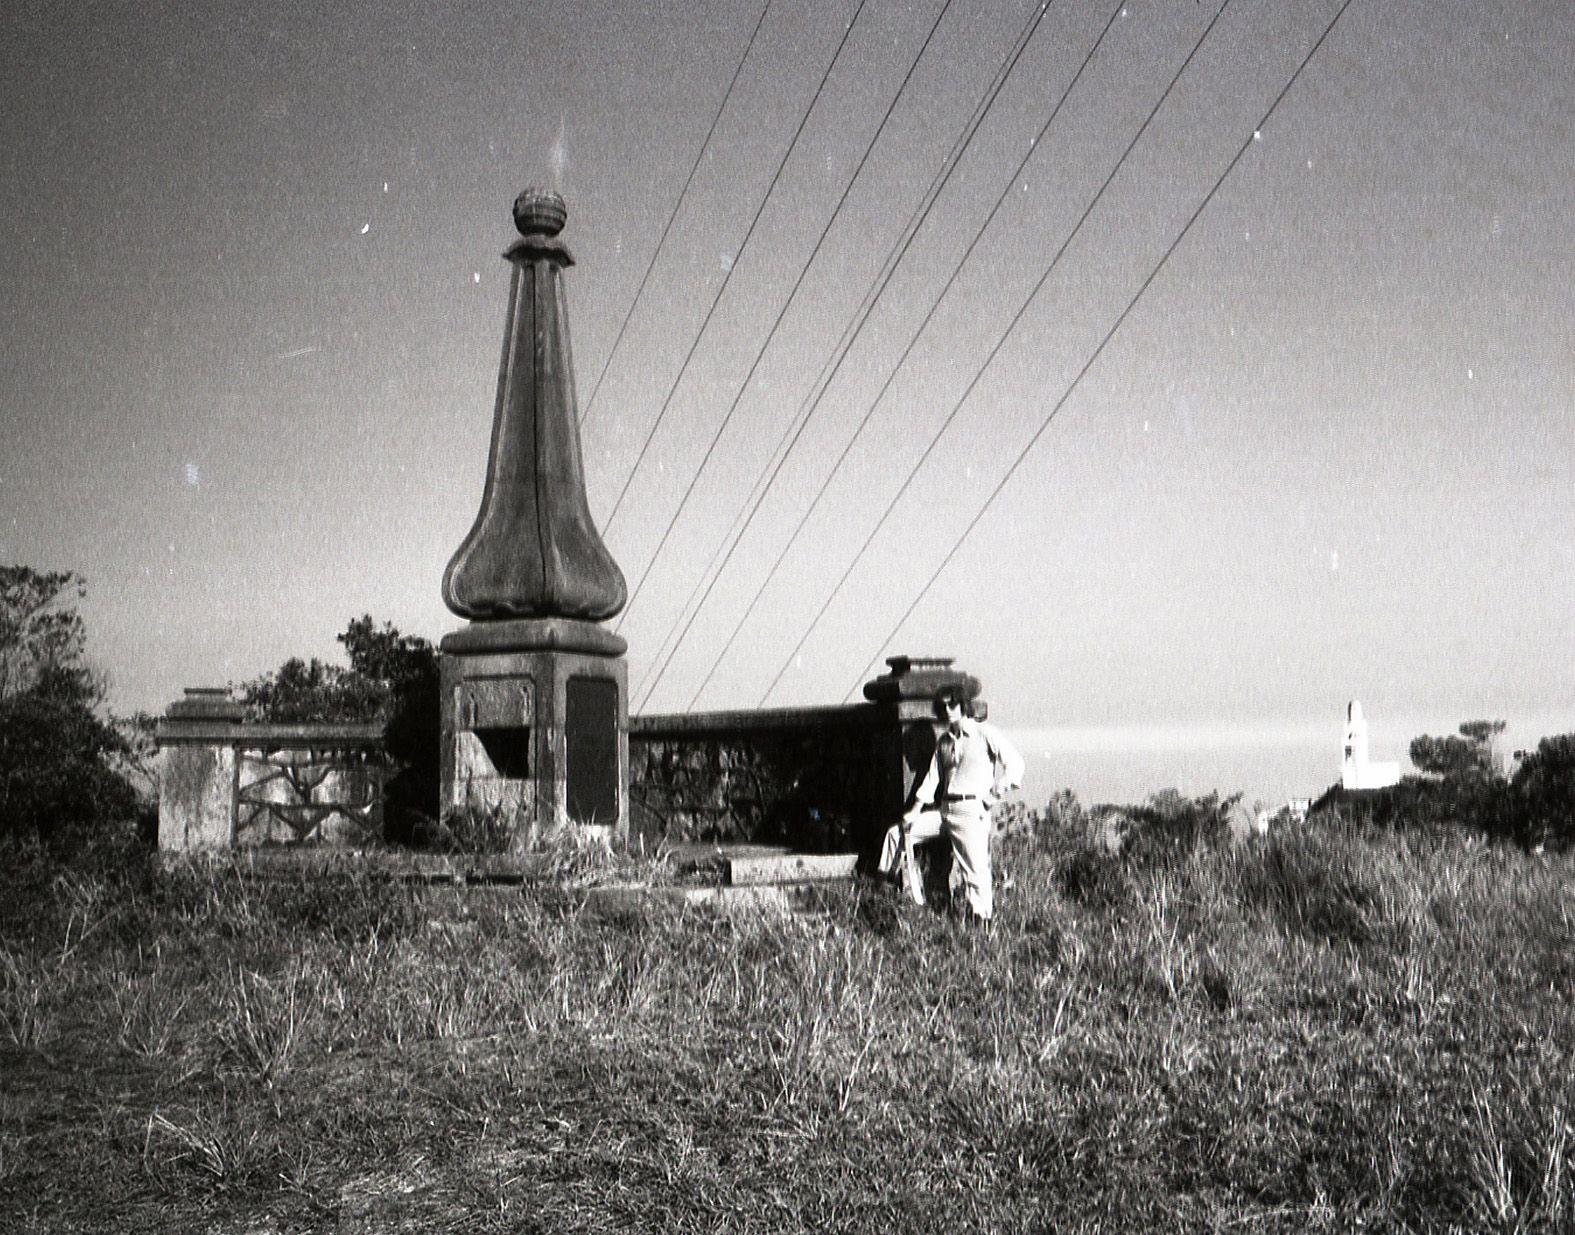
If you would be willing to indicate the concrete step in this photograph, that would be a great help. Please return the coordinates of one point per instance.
(622, 900)
(790, 868)
(750, 864)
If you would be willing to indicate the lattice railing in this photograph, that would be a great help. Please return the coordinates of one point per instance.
(308, 793)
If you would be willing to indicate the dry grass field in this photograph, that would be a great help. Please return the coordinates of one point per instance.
(1325, 1030)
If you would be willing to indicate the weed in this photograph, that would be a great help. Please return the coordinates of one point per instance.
(1313, 885)
(31, 990)
(262, 1021)
(149, 1011)
(221, 1146)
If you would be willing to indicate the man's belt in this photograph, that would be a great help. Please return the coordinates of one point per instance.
(959, 797)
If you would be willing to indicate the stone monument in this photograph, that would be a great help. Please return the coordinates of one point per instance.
(535, 690)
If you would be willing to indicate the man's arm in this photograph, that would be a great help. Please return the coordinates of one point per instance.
(1007, 760)
(924, 795)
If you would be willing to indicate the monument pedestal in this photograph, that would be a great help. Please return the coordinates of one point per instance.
(535, 725)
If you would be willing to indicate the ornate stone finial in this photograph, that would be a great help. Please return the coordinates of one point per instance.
(539, 212)
(534, 551)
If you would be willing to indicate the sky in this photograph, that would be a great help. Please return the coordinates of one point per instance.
(254, 293)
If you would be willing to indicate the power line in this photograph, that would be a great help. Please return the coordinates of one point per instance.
(913, 340)
(682, 193)
(795, 428)
(1067, 393)
(781, 315)
(715, 300)
(994, 351)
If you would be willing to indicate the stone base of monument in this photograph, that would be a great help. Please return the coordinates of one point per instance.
(535, 727)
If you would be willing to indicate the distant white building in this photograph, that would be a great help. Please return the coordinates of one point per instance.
(1294, 811)
(1356, 770)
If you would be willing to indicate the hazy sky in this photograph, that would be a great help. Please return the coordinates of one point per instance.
(253, 301)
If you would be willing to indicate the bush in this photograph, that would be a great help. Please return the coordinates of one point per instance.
(1171, 823)
(55, 771)
(1544, 790)
(1096, 879)
(1535, 809)
(60, 764)
(1418, 803)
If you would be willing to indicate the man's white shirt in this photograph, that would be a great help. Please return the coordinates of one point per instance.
(985, 760)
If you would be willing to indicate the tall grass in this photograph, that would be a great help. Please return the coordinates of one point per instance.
(1322, 1029)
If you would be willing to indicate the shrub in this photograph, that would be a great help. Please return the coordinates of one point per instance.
(1096, 879)
(1171, 823)
(55, 771)
(1427, 804)
(60, 763)
(1544, 792)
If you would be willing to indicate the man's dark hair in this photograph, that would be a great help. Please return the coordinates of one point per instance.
(952, 694)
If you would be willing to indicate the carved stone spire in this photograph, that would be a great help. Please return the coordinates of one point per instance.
(534, 551)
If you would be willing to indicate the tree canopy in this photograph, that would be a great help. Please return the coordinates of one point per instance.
(42, 638)
(1468, 756)
(392, 678)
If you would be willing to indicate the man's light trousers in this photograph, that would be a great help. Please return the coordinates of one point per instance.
(967, 824)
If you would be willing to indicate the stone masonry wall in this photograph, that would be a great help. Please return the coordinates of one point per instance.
(816, 779)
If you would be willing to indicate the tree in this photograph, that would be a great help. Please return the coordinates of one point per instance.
(60, 762)
(304, 692)
(57, 768)
(391, 678)
(41, 632)
(1467, 757)
(1545, 786)
(382, 653)
(407, 667)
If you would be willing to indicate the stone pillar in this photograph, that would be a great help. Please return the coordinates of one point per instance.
(197, 770)
(535, 691)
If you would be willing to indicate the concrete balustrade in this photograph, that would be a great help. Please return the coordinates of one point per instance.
(226, 783)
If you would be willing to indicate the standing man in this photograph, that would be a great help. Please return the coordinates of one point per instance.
(973, 768)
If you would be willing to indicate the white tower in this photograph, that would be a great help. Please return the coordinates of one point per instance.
(1356, 770)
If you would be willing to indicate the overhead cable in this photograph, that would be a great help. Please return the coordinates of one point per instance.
(795, 428)
(1022, 454)
(677, 205)
(715, 300)
(847, 450)
(771, 335)
(993, 353)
